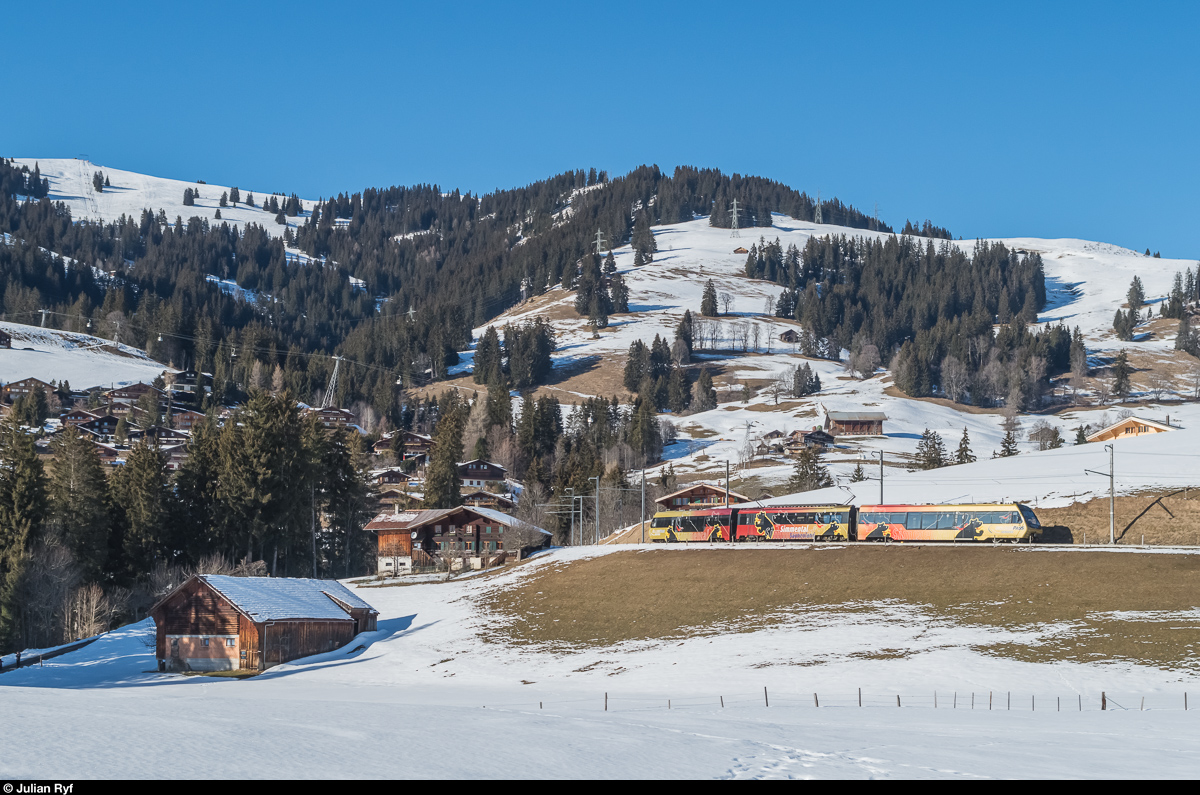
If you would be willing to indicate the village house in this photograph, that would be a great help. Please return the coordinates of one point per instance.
(789, 336)
(333, 418)
(815, 439)
(390, 477)
(698, 494)
(220, 623)
(186, 420)
(103, 426)
(468, 535)
(477, 473)
(128, 395)
(854, 423)
(408, 444)
(486, 499)
(78, 417)
(159, 434)
(5, 340)
(384, 445)
(741, 250)
(399, 497)
(393, 539)
(1129, 428)
(19, 389)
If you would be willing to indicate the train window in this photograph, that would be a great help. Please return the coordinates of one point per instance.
(691, 524)
(1029, 516)
(914, 521)
(945, 521)
(896, 518)
(660, 522)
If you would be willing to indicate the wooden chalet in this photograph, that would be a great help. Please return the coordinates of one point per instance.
(698, 494)
(1129, 428)
(384, 445)
(477, 473)
(815, 439)
(103, 426)
(26, 386)
(741, 250)
(78, 417)
(855, 423)
(485, 499)
(5, 339)
(408, 444)
(106, 453)
(159, 434)
(790, 335)
(219, 623)
(186, 420)
(770, 436)
(396, 496)
(393, 539)
(333, 418)
(128, 395)
(391, 477)
(468, 531)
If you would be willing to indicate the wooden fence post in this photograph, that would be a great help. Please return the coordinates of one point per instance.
(816, 703)
(860, 697)
(606, 702)
(935, 699)
(1103, 700)
(897, 700)
(722, 702)
(766, 701)
(989, 699)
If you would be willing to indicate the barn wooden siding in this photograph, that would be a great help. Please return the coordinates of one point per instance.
(195, 610)
(283, 641)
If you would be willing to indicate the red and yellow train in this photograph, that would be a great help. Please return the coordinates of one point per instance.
(1012, 522)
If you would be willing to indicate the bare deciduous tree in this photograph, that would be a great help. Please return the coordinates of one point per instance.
(955, 379)
(726, 303)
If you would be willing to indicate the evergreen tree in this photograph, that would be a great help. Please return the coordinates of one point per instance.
(610, 265)
(809, 473)
(487, 357)
(684, 330)
(23, 508)
(704, 395)
(931, 450)
(224, 199)
(1136, 295)
(217, 216)
(249, 199)
(443, 486)
(859, 474)
(620, 294)
(196, 493)
(1081, 435)
(1185, 338)
(188, 197)
(644, 434)
(1008, 446)
(79, 501)
(234, 196)
(964, 455)
(143, 491)
(708, 303)
(679, 392)
(121, 432)
(637, 365)
(1121, 371)
(499, 404)
(1056, 440)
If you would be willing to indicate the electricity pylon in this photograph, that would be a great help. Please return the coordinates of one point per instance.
(733, 218)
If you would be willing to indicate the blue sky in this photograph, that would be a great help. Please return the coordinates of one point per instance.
(998, 119)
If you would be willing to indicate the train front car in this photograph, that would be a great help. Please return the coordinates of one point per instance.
(794, 523)
(1011, 522)
(709, 524)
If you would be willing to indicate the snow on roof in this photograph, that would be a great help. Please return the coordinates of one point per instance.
(856, 416)
(277, 599)
(1135, 420)
(695, 486)
(503, 518)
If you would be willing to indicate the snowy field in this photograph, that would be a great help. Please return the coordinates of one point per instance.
(81, 359)
(426, 681)
(131, 192)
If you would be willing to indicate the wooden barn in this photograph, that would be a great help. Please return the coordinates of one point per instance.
(1128, 428)
(218, 623)
(789, 336)
(855, 423)
(698, 494)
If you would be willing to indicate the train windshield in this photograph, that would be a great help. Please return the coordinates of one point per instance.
(660, 521)
(1031, 520)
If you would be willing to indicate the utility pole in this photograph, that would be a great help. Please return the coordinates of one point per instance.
(43, 311)
(572, 514)
(881, 477)
(727, 483)
(643, 506)
(1112, 491)
(733, 217)
(597, 479)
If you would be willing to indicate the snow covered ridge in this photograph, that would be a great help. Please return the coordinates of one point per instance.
(130, 192)
(80, 359)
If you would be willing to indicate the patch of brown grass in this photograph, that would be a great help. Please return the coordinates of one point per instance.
(1164, 518)
(656, 594)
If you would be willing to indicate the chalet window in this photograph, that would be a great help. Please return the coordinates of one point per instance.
(205, 641)
(231, 642)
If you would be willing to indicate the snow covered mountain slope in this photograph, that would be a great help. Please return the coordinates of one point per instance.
(131, 192)
(80, 359)
(690, 707)
(1086, 283)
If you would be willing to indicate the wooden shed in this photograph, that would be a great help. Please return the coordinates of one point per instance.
(855, 423)
(218, 623)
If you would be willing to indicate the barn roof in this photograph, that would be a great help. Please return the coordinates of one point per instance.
(856, 416)
(277, 599)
